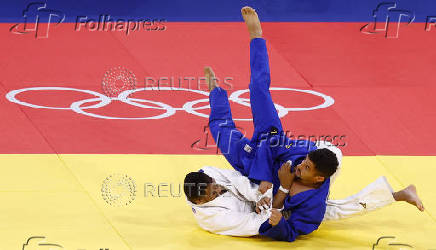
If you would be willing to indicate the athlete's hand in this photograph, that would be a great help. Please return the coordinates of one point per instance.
(275, 217)
(264, 203)
(264, 186)
(285, 176)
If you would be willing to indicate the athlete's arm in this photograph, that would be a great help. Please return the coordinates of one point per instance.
(286, 179)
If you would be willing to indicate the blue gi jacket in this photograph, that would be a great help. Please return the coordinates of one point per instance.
(307, 208)
(307, 212)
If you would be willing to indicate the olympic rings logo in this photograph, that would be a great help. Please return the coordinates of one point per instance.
(103, 100)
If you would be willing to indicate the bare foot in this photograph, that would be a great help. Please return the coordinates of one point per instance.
(409, 194)
(252, 21)
(210, 77)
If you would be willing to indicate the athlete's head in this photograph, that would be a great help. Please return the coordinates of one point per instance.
(200, 188)
(318, 165)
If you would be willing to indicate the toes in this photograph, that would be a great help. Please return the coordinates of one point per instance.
(421, 207)
(412, 187)
(207, 71)
(247, 10)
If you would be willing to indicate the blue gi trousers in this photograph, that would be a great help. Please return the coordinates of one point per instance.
(232, 143)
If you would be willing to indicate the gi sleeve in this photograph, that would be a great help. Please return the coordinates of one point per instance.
(227, 222)
(302, 221)
(240, 183)
(249, 190)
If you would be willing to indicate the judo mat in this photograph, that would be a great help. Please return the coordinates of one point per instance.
(64, 141)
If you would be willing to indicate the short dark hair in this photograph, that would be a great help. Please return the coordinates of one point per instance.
(194, 183)
(325, 161)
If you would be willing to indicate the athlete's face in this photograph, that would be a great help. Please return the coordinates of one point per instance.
(212, 191)
(307, 172)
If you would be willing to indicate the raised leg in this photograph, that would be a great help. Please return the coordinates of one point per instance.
(265, 116)
(227, 137)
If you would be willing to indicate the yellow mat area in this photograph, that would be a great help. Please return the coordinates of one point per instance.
(57, 199)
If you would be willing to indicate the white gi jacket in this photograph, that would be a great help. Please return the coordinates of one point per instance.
(232, 213)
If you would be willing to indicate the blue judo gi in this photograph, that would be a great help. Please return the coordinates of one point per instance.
(260, 157)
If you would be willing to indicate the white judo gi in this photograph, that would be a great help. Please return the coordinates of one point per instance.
(233, 213)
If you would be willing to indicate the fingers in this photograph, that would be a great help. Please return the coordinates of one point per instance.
(263, 204)
(266, 200)
(284, 171)
(262, 189)
(264, 186)
(275, 217)
(286, 167)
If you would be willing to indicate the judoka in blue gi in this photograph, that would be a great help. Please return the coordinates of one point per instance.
(298, 171)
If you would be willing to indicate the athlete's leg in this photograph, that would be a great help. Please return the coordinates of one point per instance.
(228, 139)
(265, 117)
(376, 195)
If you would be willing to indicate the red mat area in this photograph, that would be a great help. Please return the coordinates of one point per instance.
(381, 87)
